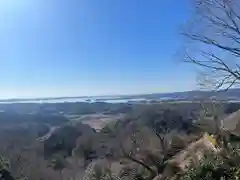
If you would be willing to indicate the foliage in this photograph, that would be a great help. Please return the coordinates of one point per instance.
(18, 118)
(221, 166)
(4, 169)
(64, 139)
(84, 149)
(164, 120)
(58, 163)
(99, 170)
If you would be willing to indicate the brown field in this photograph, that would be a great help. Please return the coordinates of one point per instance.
(97, 121)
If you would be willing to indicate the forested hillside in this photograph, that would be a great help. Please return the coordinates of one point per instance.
(147, 143)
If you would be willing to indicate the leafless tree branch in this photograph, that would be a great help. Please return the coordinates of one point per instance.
(218, 35)
(136, 160)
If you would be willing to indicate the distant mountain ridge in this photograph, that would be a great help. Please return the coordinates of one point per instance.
(232, 94)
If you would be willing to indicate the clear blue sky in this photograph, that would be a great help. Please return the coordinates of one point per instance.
(91, 47)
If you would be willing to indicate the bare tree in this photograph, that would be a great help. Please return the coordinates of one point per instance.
(131, 141)
(214, 37)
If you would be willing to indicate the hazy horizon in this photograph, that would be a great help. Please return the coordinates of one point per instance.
(95, 95)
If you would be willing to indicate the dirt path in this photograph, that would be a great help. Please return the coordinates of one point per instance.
(49, 133)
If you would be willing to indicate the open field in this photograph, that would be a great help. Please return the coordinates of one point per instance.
(96, 121)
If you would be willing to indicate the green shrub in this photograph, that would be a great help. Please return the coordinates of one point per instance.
(215, 167)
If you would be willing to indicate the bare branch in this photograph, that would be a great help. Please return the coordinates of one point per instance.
(208, 41)
(136, 160)
(223, 81)
(217, 35)
(231, 84)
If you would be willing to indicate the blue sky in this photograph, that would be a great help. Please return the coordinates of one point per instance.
(91, 47)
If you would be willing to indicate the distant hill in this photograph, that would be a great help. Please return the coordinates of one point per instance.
(231, 94)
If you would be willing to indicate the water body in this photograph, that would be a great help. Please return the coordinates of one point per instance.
(62, 100)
